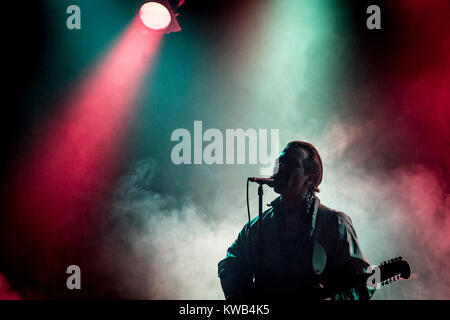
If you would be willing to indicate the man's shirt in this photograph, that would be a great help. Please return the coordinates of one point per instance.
(300, 249)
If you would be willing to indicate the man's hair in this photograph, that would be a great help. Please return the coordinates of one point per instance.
(312, 164)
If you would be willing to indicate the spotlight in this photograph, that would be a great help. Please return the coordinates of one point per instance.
(159, 16)
(155, 16)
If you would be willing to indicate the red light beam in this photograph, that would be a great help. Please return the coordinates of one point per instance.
(54, 187)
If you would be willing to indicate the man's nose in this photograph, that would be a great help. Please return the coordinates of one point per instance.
(282, 166)
(281, 169)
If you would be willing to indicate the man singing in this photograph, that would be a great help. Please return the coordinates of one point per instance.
(305, 248)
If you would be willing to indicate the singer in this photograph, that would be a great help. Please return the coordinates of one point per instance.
(305, 248)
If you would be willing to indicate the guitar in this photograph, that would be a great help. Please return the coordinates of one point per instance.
(384, 274)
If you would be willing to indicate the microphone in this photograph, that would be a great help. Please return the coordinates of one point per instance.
(269, 181)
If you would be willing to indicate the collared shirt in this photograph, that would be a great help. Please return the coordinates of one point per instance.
(299, 250)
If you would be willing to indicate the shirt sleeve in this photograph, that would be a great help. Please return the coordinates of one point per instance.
(350, 260)
(235, 271)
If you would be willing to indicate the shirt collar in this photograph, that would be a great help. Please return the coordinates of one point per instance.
(277, 205)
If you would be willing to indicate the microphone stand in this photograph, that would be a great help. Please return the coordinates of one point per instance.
(260, 251)
(258, 275)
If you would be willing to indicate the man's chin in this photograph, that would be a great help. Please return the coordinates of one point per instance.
(278, 188)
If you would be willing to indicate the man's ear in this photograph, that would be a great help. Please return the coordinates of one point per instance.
(310, 182)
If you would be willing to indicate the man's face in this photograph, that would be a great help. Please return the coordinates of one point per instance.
(289, 174)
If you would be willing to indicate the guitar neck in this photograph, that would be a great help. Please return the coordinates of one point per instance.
(385, 273)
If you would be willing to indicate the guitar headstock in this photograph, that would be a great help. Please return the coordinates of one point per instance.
(394, 269)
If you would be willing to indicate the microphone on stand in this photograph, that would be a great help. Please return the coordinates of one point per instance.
(269, 181)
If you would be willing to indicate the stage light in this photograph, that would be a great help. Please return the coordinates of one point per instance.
(155, 16)
(159, 16)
